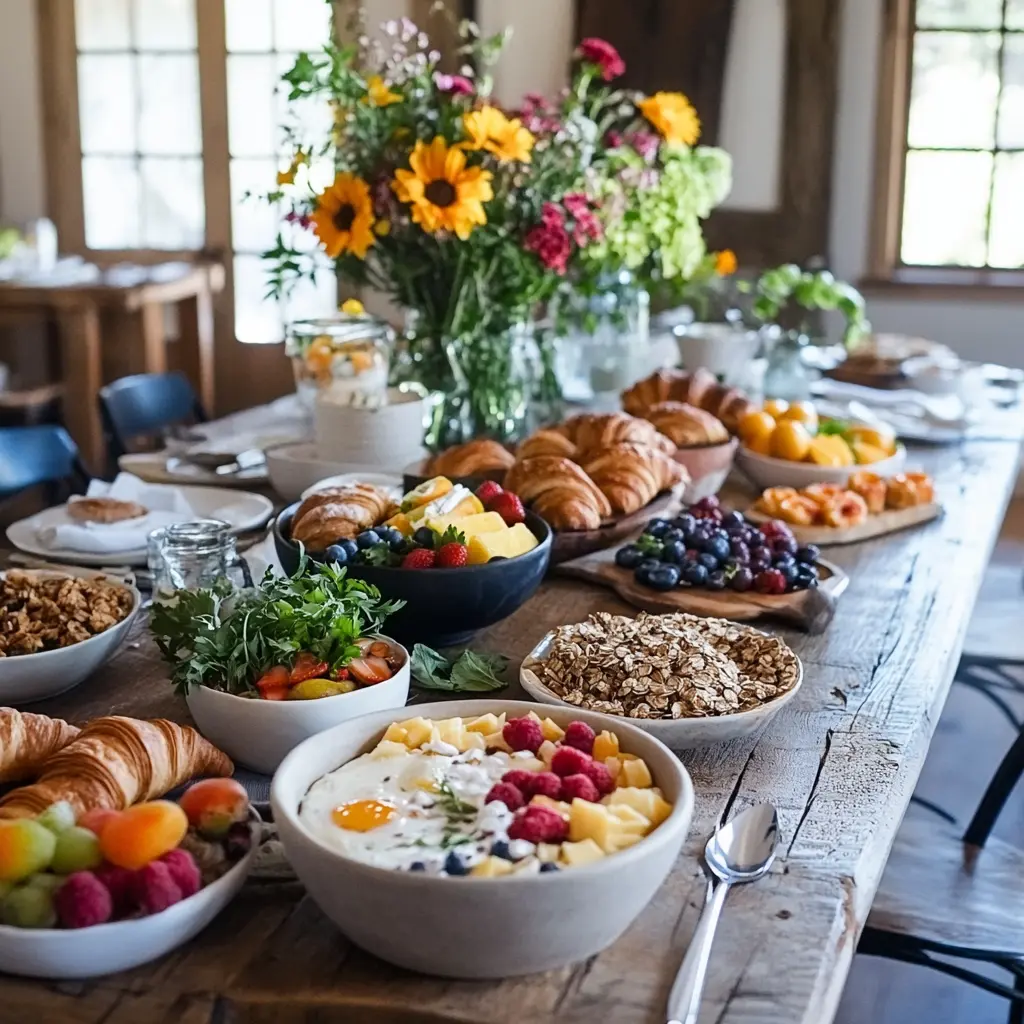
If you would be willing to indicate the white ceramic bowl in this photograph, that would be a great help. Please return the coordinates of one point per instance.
(30, 677)
(765, 471)
(676, 733)
(478, 927)
(67, 954)
(259, 733)
(293, 468)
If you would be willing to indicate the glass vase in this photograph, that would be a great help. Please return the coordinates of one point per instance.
(787, 375)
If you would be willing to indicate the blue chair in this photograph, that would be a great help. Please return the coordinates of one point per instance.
(144, 406)
(30, 456)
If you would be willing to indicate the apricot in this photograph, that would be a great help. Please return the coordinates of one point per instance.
(142, 833)
(214, 805)
(755, 430)
(25, 848)
(776, 407)
(803, 412)
(791, 440)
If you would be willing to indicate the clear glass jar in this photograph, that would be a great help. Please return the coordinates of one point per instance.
(347, 354)
(787, 375)
(187, 556)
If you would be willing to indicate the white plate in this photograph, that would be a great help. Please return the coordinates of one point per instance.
(161, 468)
(243, 510)
(390, 482)
(677, 733)
(766, 471)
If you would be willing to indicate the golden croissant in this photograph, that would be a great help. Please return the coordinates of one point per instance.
(115, 762)
(559, 491)
(546, 442)
(631, 475)
(687, 426)
(592, 432)
(27, 742)
(339, 513)
(475, 458)
(699, 388)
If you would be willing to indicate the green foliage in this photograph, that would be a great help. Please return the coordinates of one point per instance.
(470, 672)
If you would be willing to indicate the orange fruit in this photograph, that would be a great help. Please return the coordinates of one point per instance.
(791, 440)
(142, 833)
(776, 407)
(865, 453)
(803, 412)
(755, 430)
(830, 450)
(880, 435)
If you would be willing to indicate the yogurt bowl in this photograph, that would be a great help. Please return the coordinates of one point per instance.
(480, 925)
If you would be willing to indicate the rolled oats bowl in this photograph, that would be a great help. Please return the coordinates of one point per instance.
(687, 680)
(57, 629)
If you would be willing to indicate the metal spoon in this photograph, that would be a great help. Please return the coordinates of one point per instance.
(740, 851)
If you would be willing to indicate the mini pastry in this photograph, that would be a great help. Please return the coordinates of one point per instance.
(848, 510)
(686, 425)
(907, 490)
(475, 458)
(105, 510)
(871, 487)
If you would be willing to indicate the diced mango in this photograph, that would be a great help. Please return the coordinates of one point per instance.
(451, 730)
(417, 732)
(547, 853)
(636, 773)
(485, 723)
(589, 821)
(402, 524)
(528, 764)
(471, 526)
(388, 748)
(396, 733)
(516, 540)
(614, 766)
(546, 751)
(576, 854)
(629, 820)
(551, 730)
(493, 867)
(606, 744)
(495, 741)
(648, 802)
(622, 841)
(426, 492)
(555, 805)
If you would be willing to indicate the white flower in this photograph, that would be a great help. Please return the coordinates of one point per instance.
(390, 28)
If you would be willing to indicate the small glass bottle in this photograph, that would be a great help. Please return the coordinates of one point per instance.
(191, 555)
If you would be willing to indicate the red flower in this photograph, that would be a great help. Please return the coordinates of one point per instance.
(604, 55)
(576, 203)
(549, 240)
(457, 85)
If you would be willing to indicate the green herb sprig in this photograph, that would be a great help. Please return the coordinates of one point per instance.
(471, 672)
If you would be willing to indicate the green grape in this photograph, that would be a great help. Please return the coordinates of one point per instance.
(45, 880)
(78, 849)
(5, 888)
(25, 848)
(28, 906)
(57, 817)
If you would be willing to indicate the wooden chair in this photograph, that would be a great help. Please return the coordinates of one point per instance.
(948, 899)
(30, 456)
(145, 405)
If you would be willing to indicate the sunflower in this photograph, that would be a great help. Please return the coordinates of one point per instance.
(343, 219)
(378, 94)
(488, 128)
(445, 194)
(673, 115)
(725, 263)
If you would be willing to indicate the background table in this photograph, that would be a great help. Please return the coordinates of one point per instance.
(840, 763)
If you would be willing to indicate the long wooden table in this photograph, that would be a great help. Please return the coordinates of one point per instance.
(840, 763)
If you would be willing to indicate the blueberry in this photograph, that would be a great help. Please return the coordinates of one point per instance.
(684, 522)
(642, 573)
(756, 540)
(717, 580)
(741, 581)
(784, 559)
(397, 542)
(731, 519)
(785, 545)
(548, 866)
(673, 552)
(658, 528)
(696, 575)
(719, 547)
(673, 535)
(760, 559)
(708, 560)
(336, 553)
(665, 577)
(424, 537)
(417, 865)
(788, 570)
(367, 539)
(629, 557)
(809, 553)
(499, 848)
(350, 546)
(455, 865)
(740, 551)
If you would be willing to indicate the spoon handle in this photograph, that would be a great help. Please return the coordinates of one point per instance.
(684, 999)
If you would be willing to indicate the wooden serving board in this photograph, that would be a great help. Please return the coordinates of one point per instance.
(810, 610)
(878, 525)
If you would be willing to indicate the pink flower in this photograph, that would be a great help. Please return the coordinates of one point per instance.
(551, 215)
(576, 204)
(550, 241)
(457, 85)
(535, 103)
(613, 139)
(302, 219)
(587, 229)
(645, 143)
(604, 55)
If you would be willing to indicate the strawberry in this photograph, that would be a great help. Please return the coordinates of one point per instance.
(420, 558)
(307, 666)
(451, 556)
(509, 507)
(274, 683)
(369, 670)
(488, 491)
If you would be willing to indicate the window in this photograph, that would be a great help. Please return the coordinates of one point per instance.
(953, 190)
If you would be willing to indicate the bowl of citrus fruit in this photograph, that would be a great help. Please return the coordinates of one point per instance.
(786, 444)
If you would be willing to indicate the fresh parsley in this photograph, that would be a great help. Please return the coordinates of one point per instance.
(471, 672)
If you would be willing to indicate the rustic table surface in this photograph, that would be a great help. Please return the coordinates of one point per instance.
(840, 763)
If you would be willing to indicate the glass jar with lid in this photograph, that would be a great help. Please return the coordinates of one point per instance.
(347, 354)
(187, 556)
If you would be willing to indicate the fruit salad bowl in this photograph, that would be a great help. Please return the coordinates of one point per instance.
(766, 471)
(478, 926)
(68, 954)
(443, 607)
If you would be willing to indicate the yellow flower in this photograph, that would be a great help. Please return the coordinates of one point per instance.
(673, 115)
(353, 307)
(288, 177)
(378, 93)
(725, 263)
(343, 219)
(445, 194)
(488, 128)
(382, 227)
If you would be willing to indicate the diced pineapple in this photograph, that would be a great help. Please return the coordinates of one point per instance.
(555, 805)
(493, 867)
(388, 748)
(451, 730)
(606, 744)
(547, 853)
(617, 843)
(551, 730)
(528, 764)
(475, 741)
(495, 741)
(417, 731)
(485, 723)
(589, 821)
(546, 751)
(533, 716)
(623, 756)
(614, 766)
(397, 733)
(628, 820)
(471, 526)
(516, 540)
(649, 802)
(636, 773)
(576, 854)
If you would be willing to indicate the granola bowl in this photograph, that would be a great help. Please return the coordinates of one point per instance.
(553, 665)
(28, 677)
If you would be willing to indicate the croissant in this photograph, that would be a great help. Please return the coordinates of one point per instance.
(871, 487)
(559, 491)
(546, 442)
(115, 762)
(631, 475)
(699, 388)
(339, 513)
(685, 425)
(474, 458)
(590, 432)
(27, 741)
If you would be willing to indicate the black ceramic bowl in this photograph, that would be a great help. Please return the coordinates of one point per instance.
(443, 607)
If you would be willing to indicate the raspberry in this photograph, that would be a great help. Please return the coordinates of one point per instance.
(182, 866)
(574, 786)
(82, 901)
(509, 507)
(420, 558)
(488, 491)
(600, 777)
(155, 889)
(521, 779)
(523, 734)
(545, 784)
(539, 825)
(507, 794)
(120, 884)
(580, 736)
(451, 556)
(569, 761)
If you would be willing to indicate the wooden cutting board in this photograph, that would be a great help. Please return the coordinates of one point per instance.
(878, 525)
(810, 610)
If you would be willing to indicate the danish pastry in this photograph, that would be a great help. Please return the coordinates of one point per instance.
(907, 490)
(871, 487)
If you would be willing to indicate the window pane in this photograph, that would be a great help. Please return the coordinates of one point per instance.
(312, 115)
(172, 203)
(106, 102)
(248, 26)
(1006, 243)
(959, 13)
(252, 125)
(169, 112)
(111, 195)
(301, 24)
(1015, 14)
(165, 24)
(102, 24)
(955, 85)
(944, 208)
(254, 221)
(1011, 112)
(314, 298)
(258, 320)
